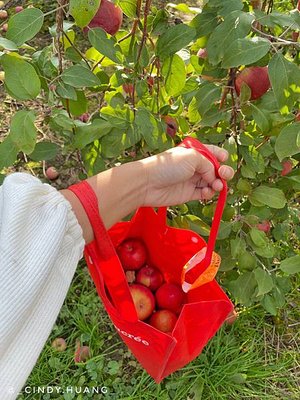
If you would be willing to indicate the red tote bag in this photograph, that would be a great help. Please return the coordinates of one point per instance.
(169, 249)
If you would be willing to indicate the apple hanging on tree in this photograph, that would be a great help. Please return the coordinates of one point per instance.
(256, 78)
(171, 125)
(109, 17)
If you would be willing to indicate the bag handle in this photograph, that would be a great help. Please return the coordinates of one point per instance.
(203, 261)
(111, 269)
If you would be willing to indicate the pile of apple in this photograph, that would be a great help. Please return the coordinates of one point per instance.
(156, 301)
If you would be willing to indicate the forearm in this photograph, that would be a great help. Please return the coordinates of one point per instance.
(120, 190)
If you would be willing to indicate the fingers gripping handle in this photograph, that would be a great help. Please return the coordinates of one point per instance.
(192, 274)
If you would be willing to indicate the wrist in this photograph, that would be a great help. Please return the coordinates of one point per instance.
(120, 191)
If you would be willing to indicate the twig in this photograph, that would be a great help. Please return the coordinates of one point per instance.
(75, 48)
(273, 39)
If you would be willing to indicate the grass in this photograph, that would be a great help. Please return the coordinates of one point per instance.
(256, 358)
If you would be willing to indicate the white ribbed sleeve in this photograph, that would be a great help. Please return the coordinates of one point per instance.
(41, 243)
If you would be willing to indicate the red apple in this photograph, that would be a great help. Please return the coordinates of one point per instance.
(18, 9)
(256, 78)
(287, 167)
(171, 125)
(163, 320)
(84, 117)
(132, 254)
(264, 226)
(143, 300)
(108, 17)
(3, 14)
(82, 354)
(4, 27)
(150, 277)
(202, 53)
(169, 296)
(231, 317)
(51, 173)
(59, 344)
(297, 117)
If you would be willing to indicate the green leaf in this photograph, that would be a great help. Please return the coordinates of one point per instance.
(226, 6)
(264, 281)
(246, 261)
(258, 237)
(24, 25)
(80, 77)
(79, 106)
(112, 144)
(236, 246)
(271, 197)
(206, 95)
(244, 288)
(87, 133)
(288, 141)
(44, 151)
(245, 52)
(278, 70)
(236, 25)
(173, 40)
(128, 7)
(204, 23)
(291, 265)
(269, 304)
(8, 152)
(66, 91)
(23, 131)
(21, 79)
(7, 44)
(107, 46)
(174, 73)
(261, 118)
(83, 11)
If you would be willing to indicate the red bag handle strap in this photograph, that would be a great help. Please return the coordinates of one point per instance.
(192, 143)
(110, 268)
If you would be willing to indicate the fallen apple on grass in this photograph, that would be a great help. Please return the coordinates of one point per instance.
(163, 320)
(3, 14)
(256, 78)
(132, 254)
(143, 300)
(109, 17)
(169, 296)
(82, 354)
(52, 173)
(150, 277)
(231, 317)
(18, 9)
(59, 344)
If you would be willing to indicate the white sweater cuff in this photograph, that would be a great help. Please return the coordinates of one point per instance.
(41, 243)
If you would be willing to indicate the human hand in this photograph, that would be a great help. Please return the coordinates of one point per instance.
(179, 175)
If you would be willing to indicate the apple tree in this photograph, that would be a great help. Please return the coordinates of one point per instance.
(126, 80)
